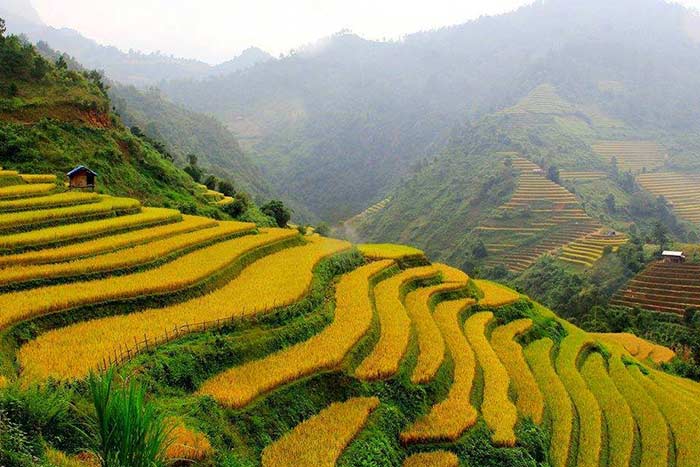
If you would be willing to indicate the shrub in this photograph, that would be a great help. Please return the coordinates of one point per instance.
(278, 211)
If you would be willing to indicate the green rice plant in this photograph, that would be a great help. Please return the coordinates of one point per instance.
(589, 414)
(529, 400)
(126, 430)
(499, 412)
(618, 416)
(684, 423)
(558, 405)
(653, 430)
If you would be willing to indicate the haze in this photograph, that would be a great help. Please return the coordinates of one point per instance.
(217, 30)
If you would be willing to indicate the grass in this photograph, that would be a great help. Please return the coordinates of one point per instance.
(558, 405)
(266, 284)
(529, 400)
(73, 232)
(394, 325)
(447, 420)
(620, 425)
(320, 440)
(239, 386)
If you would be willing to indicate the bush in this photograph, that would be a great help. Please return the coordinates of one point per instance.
(127, 431)
(239, 205)
(278, 211)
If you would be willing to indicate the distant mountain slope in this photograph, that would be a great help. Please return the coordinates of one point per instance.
(130, 68)
(340, 122)
(186, 132)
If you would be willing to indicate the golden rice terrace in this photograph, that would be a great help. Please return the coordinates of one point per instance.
(311, 353)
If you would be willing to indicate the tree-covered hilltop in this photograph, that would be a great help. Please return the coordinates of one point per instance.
(53, 118)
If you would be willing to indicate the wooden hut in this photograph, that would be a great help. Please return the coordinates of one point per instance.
(673, 257)
(81, 178)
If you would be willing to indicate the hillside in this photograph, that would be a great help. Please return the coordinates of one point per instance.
(342, 121)
(437, 369)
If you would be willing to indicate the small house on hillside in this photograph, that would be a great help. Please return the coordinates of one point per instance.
(673, 256)
(81, 178)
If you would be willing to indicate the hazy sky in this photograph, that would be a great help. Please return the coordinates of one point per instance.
(217, 30)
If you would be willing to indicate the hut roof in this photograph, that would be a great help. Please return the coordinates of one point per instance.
(80, 168)
(675, 254)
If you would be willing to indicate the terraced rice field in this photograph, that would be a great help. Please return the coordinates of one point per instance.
(581, 175)
(554, 220)
(664, 287)
(587, 250)
(635, 156)
(417, 356)
(682, 191)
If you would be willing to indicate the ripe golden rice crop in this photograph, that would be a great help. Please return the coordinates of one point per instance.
(183, 272)
(68, 198)
(680, 416)
(38, 178)
(109, 244)
(432, 459)
(638, 347)
(448, 419)
(589, 415)
(388, 251)
(450, 274)
(106, 204)
(499, 412)
(496, 295)
(394, 325)
(653, 430)
(130, 257)
(618, 416)
(186, 444)
(529, 398)
(273, 281)
(18, 191)
(559, 408)
(63, 233)
(320, 440)
(431, 346)
(239, 386)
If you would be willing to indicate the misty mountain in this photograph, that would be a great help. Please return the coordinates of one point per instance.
(340, 122)
(131, 67)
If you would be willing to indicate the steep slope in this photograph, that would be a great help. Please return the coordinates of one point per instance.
(185, 132)
(341, 122)
(53, 119)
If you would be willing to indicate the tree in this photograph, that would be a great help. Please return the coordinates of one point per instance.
(226, 188)
(192, 159)
(3, 28)
(553, 174)
(238, 206)
(613, 167)
(12, 90)
(278, 211)
(210, 182)
(193, 170)
(660, 234)
(323, 229)
(610, 202)
(61, 63)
